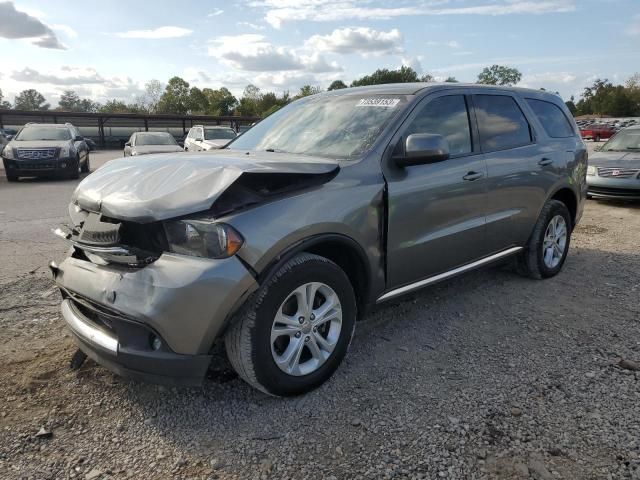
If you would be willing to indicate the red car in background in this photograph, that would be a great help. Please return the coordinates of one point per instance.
(597, 132)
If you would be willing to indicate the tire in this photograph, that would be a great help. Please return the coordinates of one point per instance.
(12, 178)
(597, 139)
(249, 340)
(74, 174)
(86, 167)
(532, 262)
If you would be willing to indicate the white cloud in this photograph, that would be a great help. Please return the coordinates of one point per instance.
(279, 12)
(160, 32)
(450, 44)
(634, 28)
(66, 29)
(253, 52)
(361, 40)
(250, 25)
(67, 76)
(16, 24)
(215, 13)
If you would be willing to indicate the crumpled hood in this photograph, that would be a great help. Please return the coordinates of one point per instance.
(159, 187)
(144, 149)
(615, 159)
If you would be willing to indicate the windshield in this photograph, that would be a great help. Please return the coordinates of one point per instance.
(154, 139)
(623, 141)
(219, 134)
(43, 133)
(344, 126)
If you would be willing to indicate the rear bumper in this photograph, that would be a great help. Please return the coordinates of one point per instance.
(126, 350)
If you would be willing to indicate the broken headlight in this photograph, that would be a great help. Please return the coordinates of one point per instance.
(202, 238)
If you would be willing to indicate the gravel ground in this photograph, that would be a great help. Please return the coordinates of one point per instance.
(486, 376)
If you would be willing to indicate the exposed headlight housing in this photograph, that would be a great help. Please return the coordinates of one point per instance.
(7, 152)
(202, 238)
(591, 170)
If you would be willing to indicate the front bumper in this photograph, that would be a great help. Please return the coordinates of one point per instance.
(114, 312)
(34, 168)
(615, 188)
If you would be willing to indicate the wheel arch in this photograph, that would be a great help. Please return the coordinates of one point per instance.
(344, 251)
(567, 196)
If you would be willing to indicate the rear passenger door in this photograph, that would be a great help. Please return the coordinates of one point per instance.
(436, 216)
(521, 170)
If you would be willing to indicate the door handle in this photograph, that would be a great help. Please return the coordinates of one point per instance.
(545, 161)
(471, 176)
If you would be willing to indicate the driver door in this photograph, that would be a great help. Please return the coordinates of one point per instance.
(436, 212)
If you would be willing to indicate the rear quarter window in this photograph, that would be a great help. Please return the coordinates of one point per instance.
(552, 118)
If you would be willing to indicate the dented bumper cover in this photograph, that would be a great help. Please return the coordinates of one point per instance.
(116, 312)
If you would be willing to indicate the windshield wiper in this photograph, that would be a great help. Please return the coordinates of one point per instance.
(633, 148)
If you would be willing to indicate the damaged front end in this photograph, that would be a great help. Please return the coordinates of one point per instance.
(152, 277)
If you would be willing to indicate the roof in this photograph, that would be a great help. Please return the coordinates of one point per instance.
(36, 124)
(414, 88)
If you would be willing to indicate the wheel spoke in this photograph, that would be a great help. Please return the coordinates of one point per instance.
(315, 350)
(557, 250)
(284, 331)
(323, 343)
(288, 320)
(291, 357)
(548, 256)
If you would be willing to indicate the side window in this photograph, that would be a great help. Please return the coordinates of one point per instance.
(552, 118)
(501, 123)
(446, 116)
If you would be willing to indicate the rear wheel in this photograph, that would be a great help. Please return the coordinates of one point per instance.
(74, 173)
(548, 246)
(293, 333)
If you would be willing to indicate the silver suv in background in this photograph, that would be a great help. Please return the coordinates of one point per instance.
(203, 137)
(42, 149)
(278, 243)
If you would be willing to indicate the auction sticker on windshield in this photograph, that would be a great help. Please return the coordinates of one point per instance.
(378, 102)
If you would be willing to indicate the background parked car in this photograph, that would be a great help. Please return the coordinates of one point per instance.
(614, 170)
(142, 143)
(597, 132)
(208, 138)
(40, 149)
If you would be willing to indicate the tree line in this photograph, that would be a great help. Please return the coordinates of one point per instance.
(180, 97)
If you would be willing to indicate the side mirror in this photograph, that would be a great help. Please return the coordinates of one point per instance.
(78, 139)
(423, 148)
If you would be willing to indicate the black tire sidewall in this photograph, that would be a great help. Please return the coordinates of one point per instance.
(557, 208)
(267, 372)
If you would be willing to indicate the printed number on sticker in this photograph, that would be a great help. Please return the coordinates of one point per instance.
(378, 102)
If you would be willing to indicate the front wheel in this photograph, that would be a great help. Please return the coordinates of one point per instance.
(548, 245)
(86, 167)
(293, 333)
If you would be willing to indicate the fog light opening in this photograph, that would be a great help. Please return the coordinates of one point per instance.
(64, 165)
(156, 343)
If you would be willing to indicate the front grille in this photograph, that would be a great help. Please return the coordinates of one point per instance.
(37, 153)
(618, 172)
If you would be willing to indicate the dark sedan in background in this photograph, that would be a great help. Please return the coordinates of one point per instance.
(614, 170)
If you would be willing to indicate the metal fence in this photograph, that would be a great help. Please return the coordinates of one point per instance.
(116, 128)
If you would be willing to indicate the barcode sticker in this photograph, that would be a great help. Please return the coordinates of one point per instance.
(378, 102)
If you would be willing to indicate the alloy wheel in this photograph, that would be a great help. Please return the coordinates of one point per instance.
(306, 329)
(555, 241)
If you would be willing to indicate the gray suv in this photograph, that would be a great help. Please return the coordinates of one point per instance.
(278, 243)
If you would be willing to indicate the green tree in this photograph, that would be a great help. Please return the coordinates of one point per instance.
(270, 102)
(571, 105)
(4, 105)
(176, 97)
(148, 101)
(451, 80)
(403, 75)
(499, 75)
(249, 102)
(427, 77)
(69, 101)
(337, 85)
(118, 106)
(307, 90)
(198, 104)
(31, 100)
(220, 102)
